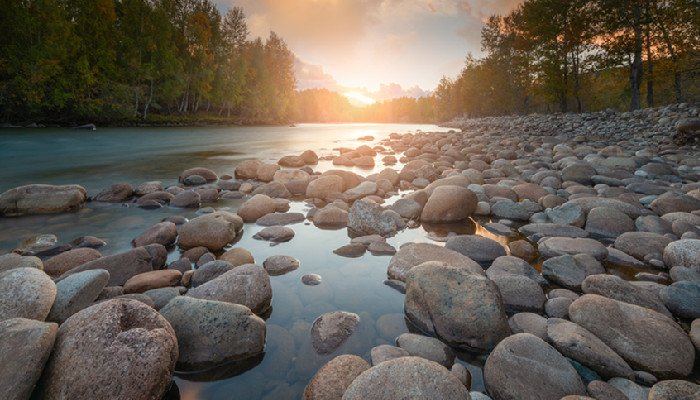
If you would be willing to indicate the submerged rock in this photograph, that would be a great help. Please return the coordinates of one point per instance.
(333, 379)
(331, 330)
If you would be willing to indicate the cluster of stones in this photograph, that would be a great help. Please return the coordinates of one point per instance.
(581, 193)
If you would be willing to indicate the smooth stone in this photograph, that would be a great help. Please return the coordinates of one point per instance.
(684, 252)
(248, 285)
(682, 298)
(148, 188)
(557, 307)
(162, 296)
(364, 189)
(213, 231)
(63, 262)
(194, 180)
(406, 378)
(524, 366)
(407, 208)
(532, 323)
(207, 174)
(237, 256)
(41, 199)
(275, 190)
(117, 335)
(38, 243)
(654, 224)
(325, 185)
(209, 271)
(538, 231)
(639, 244)
(577, 343)
(163, 233)
(330, 217)
(152, 280)
(520, 293)
(554, 247)
(449, 203)
(77, 292)
(311, 279)
(645, 339)
(570, 271)
(330, 330)
(186, 199)
(280, 219)
(675, 390)
(333, 379)
(350, 250)
(568, 214)
(589, 203)
(426, 347)
(15, 261)
(381, 249)
(25, 346)
(461, 308)
(210, 333)
(616, 288)
(522, 249)
(509, 265)
(26, 293)
(275, 234)
(413, 254)
(480, 249)
(580, 172)
(256, 207)
(601, 390)
(280, 265)
(631, 390)
(618, 257)
(386, 352)
(607, 222)
(247, 169)
(508, 209)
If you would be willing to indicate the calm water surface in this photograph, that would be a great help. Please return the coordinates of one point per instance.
(135, 155)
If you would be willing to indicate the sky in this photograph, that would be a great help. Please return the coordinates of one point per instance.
(380, 48)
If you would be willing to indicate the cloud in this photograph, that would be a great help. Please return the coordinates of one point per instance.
(310, 76)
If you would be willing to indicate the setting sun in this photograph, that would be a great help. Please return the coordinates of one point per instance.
(357, 97)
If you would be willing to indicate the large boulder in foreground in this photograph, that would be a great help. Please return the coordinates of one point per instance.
(646, 339)
(407, 378)
(523, 366)
(119, 349)
(413, 254)
(213, 231)
(461, 308)
(26, 293)
(331, 381)
(41, 199)
(449, 203)
(210, 333)
(25, 346)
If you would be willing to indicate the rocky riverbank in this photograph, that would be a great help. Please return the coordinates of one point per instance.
(583, 280)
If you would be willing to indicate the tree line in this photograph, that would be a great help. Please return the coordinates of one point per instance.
(125, 60)
(580, 55)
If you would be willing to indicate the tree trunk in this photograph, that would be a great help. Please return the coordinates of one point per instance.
(650, 74)
(636, 67)
(148, 103)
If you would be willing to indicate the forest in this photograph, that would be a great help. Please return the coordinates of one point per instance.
(164, 61)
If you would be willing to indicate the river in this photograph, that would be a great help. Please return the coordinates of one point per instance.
(96, 159)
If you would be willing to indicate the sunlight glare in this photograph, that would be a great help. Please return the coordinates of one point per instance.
(359, 97)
